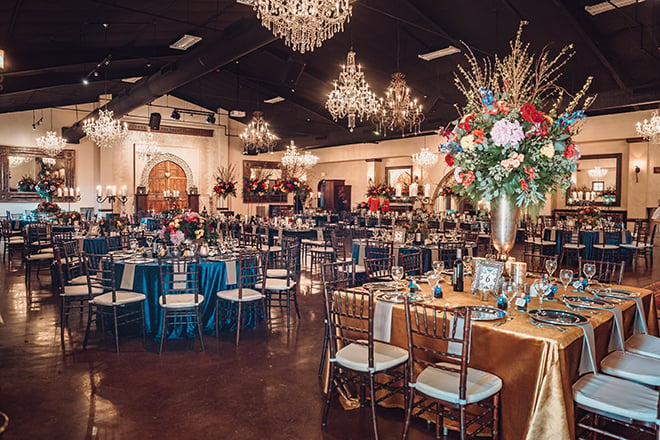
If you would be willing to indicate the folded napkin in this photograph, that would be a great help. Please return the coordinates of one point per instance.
(179, 281)
(128, 276)
(434, 254)
(383, 321)
(588, 356)
(279, 236)
(616, 336)
(640, 317)
(231, 272)
(361, 252)
(319, 234)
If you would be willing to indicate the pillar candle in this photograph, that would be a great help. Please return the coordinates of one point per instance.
(59, 192)
(427, 190)
(123, 190)
(397, 190)
(413, 189)
(99, 191)
(77, 190)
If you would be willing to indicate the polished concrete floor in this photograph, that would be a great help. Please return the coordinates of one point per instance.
(266, 388)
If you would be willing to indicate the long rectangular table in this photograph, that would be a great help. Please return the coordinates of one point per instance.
(537, 365)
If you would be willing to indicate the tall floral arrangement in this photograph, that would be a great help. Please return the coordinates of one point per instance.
(512, 137)
(26, 184)
(380, 190)
(190, 226)
(47, 208)
(225, 179)
(288, 185)
(47, 186)
(589, 217)
(257, 186)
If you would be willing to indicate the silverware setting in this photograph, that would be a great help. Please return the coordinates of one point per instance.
(504, 321)
(581, 309)
(546, 325)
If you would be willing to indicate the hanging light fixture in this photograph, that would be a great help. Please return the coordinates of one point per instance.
(650, 130)
(351, 95)
(291, 157)
(147, 147)
(51, 144)
(15, 161)
(105, 131)
(425, 159)
(597, 172)
(303, 24)
(308, 160)
(398, 111)
(257, 137)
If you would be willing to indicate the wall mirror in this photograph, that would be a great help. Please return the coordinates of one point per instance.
(597, 181)
(255, 169)
(19, 162)
(399, 175)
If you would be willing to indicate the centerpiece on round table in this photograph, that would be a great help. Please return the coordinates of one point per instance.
(26, 184)
(47, 207)
(589, 217)
(47, 187)
(187, 228)
(513, 144)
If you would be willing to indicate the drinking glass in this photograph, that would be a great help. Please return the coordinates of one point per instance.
(438, 267)
(541, 286)
(589, 270)
(510, 290)
(565, 276)
(150, 240)
(550, 266)
(397, 274)
(467, 262)
(133, 244)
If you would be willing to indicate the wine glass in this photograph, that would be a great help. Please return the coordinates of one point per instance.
(467, 262)
(565, 276)
(133, 244)
(438, 267)
(589, 270)
(150, 240)
(510, 291)
(550, 266)
(541, 286)
(397, 274)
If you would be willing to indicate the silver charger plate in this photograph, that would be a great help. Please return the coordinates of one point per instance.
(382, 286)
(557, 317)
(484, 313)
(611, 292)
(589, 302)
(399, 298)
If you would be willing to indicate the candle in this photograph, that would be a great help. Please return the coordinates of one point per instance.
(518, 272)
(427, 190)
(397, 190)
(77, 190)
(59, 192)
(413, 189)
(123, 190)
(114, 190)
(108, 190)
(99, 191)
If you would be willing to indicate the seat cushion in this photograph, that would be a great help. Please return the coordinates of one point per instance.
(443, 385)
(633, 246)
(275, 249)
(181, 301)
(81, 279)
(276, 273)
(80, 290)
(607, 247)
(232, 295)
(312, 242)
(356, 356)
(39, 257)
(613, 396)
(277, 284)
(645, 345)
(122, 296)
(573, 246)
(327, 250)
(16, 240)
(633, 367)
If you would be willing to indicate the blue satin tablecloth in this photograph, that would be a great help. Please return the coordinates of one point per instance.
(587, 238)
(151, 223)
(97, 245)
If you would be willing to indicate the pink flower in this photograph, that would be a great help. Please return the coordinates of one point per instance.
(177, 238)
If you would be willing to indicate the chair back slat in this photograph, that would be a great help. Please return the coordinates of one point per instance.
(606, 271)
(350, 320)
(378, 268)
(178, 276)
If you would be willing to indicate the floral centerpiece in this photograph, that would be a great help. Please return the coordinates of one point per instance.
(257, 187)
(47, 186)
(225, 182)
(187, 226)
(26, 184)
(47, 208)
(304, 191)
(609, 196)
(447, 191)
(288, 185)
(512, 138)
(589, 217)
(113, 224)
(69, 217)
(380, 190)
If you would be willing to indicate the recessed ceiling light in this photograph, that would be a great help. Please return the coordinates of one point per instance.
(132, 79)
(185, 42)
(610, 5)
(237, 114)
(245, 2)
(439, 53)
(274, 100)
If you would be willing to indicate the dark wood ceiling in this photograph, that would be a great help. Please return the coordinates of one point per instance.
(51, 46)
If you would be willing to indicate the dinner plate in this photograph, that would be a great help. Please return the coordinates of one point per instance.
(399, 298)
(610, 292)
(382, 286)
(588, 302)
(484, 313)
(557, 317)
(139, 260)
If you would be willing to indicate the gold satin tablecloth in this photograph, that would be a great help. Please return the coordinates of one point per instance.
(537, 365)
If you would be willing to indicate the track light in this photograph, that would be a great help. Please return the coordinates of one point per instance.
(210, 119)
(175, 115)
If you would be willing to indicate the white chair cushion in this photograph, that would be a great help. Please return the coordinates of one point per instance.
(16, 240)
(122, 296)
(276, 273)
(633, 246)
(80, 290)
(47, 250)
(81, 279)
(39, 257)
(356, 356)
(574, 246)
(645, 345)
(277, 284)
(443, 385)
(614, 396)
(633, 367)
(180, 301)
(322, 249)
(606, 246)
(275, 249)
(358, 268)
(232, 295)
(312, 242)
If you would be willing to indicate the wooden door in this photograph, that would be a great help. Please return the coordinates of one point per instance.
(163, 176)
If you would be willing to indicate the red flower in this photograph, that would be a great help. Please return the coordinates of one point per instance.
(523, 184)
(529, 113)
(478, 135)
(530, 173)
(466, 123)
(467, 178)
(449, 159)
(569, 151)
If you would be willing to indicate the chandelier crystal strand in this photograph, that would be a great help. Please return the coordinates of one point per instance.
(257, 136)
(105, 131)
(147, 147)
(351, 95)
(650, 129)
(303, 24)
(291, 157)
(51, 144)
(398, 111)
(425, 159)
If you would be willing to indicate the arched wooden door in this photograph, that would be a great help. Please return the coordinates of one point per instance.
(164, 176)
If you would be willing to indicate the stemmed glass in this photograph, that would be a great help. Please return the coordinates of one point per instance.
(438, 267)
(150, 240)
(542, 287)
(550, 266)
(510, 290)
(565, 276)
(467, 262)
(133, 244)
(397, 274)
(589, 270)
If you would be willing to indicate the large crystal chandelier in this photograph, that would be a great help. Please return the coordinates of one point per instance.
(257, 137)
(292, 159)
(15, 161)
(147, 147)
(308, 160)
(597, 172)
(303, 24)
(51, 144)
(398, 111)
(351, 96)
(105, 131)
(650, 130)
(425, 159)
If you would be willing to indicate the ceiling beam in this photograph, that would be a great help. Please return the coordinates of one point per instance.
(236, 41)
(12, 20)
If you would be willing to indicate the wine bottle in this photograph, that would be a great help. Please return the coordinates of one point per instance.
(458, 272)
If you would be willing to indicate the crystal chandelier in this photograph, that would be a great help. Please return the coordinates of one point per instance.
(15, 161)
(303, 24)
(351, 95)
(292, 159)
(425, 158)
(308, 160)
(597, 172)
(51, 144)
(105, 131)
(147, 147)
(650, 130)
(257, 137)
(398, 111)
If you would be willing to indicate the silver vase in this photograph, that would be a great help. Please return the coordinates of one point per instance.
(504, 224)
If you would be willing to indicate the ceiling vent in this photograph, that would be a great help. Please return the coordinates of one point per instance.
(185, 42)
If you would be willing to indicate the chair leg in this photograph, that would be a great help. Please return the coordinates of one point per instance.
(372, 397)
(144, 325)
(409, 407)
(62, 312)
(325, 349)
(462, 422)
(163, 329)
(89, 324)
(239, 320)
(217, 318)
(496, 416)
(116, 328)
(288, 310)
(328, 396)
(199, 328)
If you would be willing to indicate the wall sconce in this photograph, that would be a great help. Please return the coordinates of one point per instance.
(637, 171)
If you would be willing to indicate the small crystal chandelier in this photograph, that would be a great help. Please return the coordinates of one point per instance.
(650, 130)
(51, 144)
(351, 95)
(597, 172)
(147, 147)
(303, 24)
(257, 137)
(398, 111)
(308, 160)
(15, 161)
(105, 131)
(425, 159)
(292, 159)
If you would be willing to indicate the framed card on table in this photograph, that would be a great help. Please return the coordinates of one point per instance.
(398, 236)
(487, 275)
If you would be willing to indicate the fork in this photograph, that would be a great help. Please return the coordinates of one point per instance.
(582, 309)
(546, 325)
(504, 321)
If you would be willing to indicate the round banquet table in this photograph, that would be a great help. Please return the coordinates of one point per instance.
(213, 279)
(300, 234)
(587, 237)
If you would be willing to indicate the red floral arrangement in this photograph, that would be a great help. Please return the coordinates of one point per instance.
(447, 191)
(380, 190)
(288, 185)
(257, 187)
(225, 189)
(47, 186)
(47, 208)
(589, 216)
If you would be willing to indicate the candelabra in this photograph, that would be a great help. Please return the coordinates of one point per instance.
(111, 196)
(68, 195)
